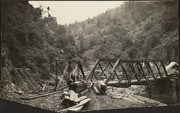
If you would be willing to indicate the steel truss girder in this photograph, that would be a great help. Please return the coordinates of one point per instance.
(137, 69)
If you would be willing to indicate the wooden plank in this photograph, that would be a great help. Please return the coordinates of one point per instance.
(32, 80)
(36, 78)
(42, 95)
(78, 105)
(80, 98)
(29, 84)
(75, 108)
(18, 80)
(23, 84)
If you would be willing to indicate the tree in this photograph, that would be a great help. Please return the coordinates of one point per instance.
(99, 23)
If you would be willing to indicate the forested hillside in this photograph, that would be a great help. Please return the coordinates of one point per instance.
(135, 30)
(30, 41)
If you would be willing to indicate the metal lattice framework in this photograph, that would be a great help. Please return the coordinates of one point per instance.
(117, 71)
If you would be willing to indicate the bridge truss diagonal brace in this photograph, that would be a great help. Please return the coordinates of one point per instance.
(113, 72)
(90, 76)
(164, 68)
(103, 69)
(159, 72)
(150, 70)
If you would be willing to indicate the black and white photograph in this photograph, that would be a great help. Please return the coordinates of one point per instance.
(79, 56)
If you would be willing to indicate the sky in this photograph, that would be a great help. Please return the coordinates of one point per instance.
(67, 12)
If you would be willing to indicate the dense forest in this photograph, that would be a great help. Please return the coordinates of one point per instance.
(135, 30)
(30, 41)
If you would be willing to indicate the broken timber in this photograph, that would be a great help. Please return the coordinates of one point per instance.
(78, 105)
(42, 95)
(21, 81)
(32, 80)
(26, 80)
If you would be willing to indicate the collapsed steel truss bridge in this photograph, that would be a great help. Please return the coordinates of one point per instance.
(118, 71)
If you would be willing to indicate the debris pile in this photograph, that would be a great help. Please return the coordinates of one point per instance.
(24, 79)
(74, 97)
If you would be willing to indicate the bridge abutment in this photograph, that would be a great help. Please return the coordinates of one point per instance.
(163, 90)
